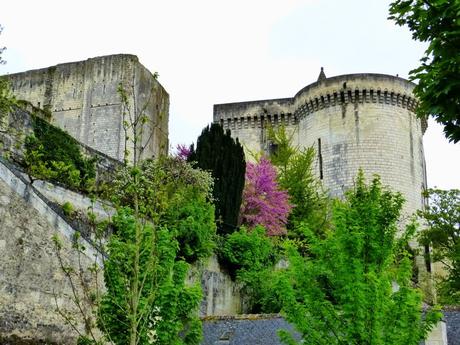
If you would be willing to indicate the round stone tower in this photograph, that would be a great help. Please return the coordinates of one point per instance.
(353, 121)
(364, 121)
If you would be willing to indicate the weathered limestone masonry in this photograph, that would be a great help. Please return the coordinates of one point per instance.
(83, 99)
(221, 295)
(31, 280)
(354, 121)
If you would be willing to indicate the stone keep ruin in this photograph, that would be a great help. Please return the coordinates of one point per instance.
(353, 121)
(83, 99)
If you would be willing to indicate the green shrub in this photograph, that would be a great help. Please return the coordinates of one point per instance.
(246, 250)
(68, 209)
(261, 289)
(172, 193)
(52, 154)
(344, 293)
(250, 257)
(7, 100)
(192, 217)
(143, 255)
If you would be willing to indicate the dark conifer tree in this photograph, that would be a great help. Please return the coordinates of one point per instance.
(217, 152)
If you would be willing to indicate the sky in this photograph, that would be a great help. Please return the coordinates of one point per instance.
(214, 51)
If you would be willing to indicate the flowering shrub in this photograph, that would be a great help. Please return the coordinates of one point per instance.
(183, 152)
(263, 202)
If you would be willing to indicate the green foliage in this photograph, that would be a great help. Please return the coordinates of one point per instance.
(250, 257)
(84, 340)
(166, 219)
(192, 216)
(166, 308)
(146, 299)
(436, 22)
(295, 174)
(218, 153)
(247, 250)
(443, 235)
(52, 154)
(68, 209)
(356, 287)
(282, 150)
(7, 100)
(171, 192)
(262, 289)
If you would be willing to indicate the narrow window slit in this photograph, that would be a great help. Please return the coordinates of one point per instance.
(320, 159)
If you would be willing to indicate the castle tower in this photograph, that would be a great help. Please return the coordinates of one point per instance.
(83, 99)
(353, 121)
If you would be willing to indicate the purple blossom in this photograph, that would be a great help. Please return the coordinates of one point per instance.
(263, 202)
(182, 152)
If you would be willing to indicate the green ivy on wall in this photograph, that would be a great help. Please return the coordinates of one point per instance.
(52, 154)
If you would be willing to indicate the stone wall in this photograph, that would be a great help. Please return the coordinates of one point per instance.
(32, 284)
(221, 295)
(83, 100)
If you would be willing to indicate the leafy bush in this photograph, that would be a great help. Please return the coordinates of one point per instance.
(246, 250)
(192, 217)
(262, 289)
(7, 100)
(344, 293)
(171, 192)
(67, 208)
(250, 258)
(145, 256)
(295, 174)
(52, 154)
(443, 236)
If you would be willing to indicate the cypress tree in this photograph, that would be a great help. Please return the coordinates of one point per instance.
(217, 152)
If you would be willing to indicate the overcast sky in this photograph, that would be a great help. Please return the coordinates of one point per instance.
(211, 51)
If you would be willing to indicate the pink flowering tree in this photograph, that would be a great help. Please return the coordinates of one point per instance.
(263, 201)
(182, 152)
